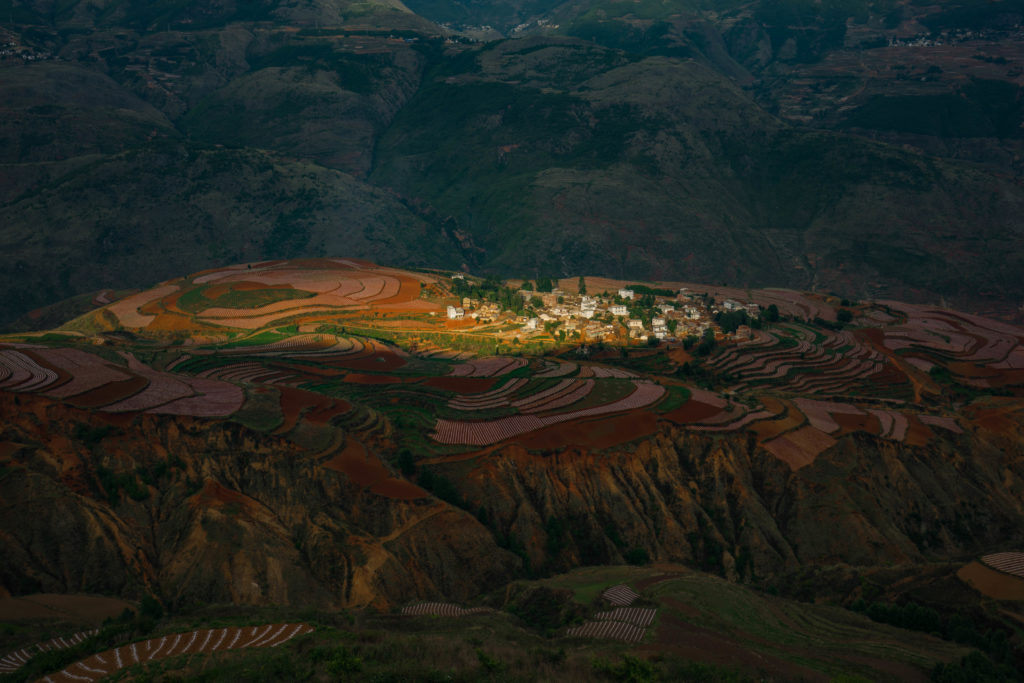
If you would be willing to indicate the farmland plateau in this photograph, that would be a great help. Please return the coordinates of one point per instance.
(512, 340)
(314, 434)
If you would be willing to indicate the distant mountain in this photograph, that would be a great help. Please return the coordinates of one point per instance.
(756, 143)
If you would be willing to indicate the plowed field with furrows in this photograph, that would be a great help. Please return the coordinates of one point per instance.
(442, 609)
(15, 660)
(1011, 563)
(110, 662)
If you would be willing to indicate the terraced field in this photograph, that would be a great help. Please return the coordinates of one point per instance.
(266, 344)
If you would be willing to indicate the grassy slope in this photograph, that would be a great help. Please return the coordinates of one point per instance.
(758, 635)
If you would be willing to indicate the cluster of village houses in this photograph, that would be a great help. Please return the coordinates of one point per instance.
(605, 317)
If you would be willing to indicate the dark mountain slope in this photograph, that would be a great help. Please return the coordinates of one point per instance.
(649, 166)
(146, 214)
(724, 142)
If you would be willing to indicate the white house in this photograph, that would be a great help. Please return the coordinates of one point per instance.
(455, 313)
(636, 324)
(531, 324)
(626, 293)
(619, 309)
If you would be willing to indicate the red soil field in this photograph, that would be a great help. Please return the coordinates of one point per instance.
(365, 469)
(679, 356)
(770, 428)
(999, 415)
(358, 378)
(918, 434)
(172, 321)
(323, 414)
(692, 411)
(354, 462)
(414, 306)
(989, 582)
(88, 371)
(799, 448)
(462, 385)
(398, 489)
(857, 423)
(409, 292)
(111, 392)
(381, 360)
(600, 433)
(318, 408)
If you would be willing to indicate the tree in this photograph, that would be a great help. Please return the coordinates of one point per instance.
(544, 284)
(536, 302)
(844, 315)
(771, 314)
(583, 285)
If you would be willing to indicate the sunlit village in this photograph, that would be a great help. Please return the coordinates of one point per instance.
(636, 314)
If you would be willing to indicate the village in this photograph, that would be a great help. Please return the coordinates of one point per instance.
(636, 314)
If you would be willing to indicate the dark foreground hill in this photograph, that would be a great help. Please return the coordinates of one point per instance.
(751, 144)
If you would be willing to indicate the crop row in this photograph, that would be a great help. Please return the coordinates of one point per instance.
(16, 660)
(487, 367)
(1011, 563)
(490, 399)
(493, 431)
(638, 616)
(557, 369)
(18, 372)
(621, 595)
(612, 630)
(442, 609)
(576, 391)
(107, 663)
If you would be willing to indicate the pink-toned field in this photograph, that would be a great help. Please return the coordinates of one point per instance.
(487, 432)
(94, 382)
(487, 367)
(799, 448)
(127, 309)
